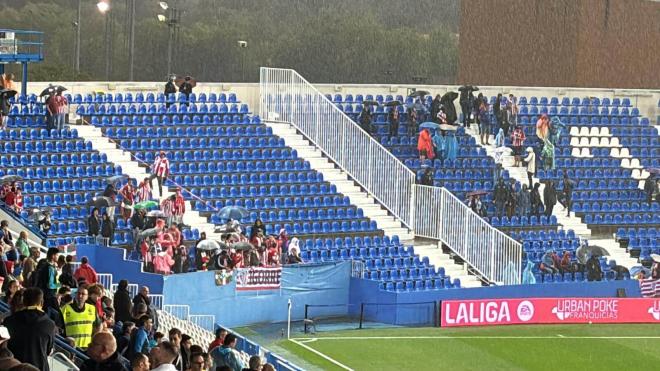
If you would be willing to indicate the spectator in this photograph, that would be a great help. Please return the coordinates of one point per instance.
(393, 118)
(484, 122)
(186, 343)
(197, 362)
(186, 87)
(548, 155)
(44, 222)
(5, 233)
(517, 142)
(226, 355)
(542, 128)
(254, 364)
(111, 193)
(535, 200)
(47, 274)
(548, 264)
(549, 198)
(412, 121)
(137, 225)
(140, 363)
(67, 275)
(79, 318)
(127, 192)
(29, 265)
(142, 297)
(86, 271)
(160, 170)
(220, 334)
(170, 88)
(594, 272)
(16, 303)
(139, 342)
(107, 229)
(163, 355)
(530, 160)
(95, 295)
(124, 337)
(567, 193)
(62, 105)
(103, 355)
(10, 290)
(94, 223)
(14, 199)
(122, 302)
(32, 332)
(565, 264)
(512, 110)
(181, 264)
(435, 108)
(522, 201)
(174, 336)
(7, 359)
(52, 110)
(268, 367)
(178, 207)
(497, 111)
(500, 196)
(425, 145)
(649, 188)
(257, 227)
(22, 244)
(365, 119)
(427, 177)
(143, 192)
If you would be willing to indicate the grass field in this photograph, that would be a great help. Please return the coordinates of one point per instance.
(549, 347)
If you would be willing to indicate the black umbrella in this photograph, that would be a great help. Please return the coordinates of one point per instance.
(370, 103)
(48, 91)
(449, 96)
(393, 103)
(582, 254)
(10, 178)
(419, 93)
(8, 93)
(60, 88)
(101, 201)
(468, 88)
(242, 246)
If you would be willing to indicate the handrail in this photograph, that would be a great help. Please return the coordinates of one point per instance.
(286, 96)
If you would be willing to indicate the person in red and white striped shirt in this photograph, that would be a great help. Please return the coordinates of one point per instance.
(143, 192)
(160, 170)
(179, 207)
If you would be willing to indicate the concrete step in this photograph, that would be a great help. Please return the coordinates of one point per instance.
(617, 253)
(439, 259)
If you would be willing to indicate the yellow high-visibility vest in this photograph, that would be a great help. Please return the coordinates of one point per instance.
(79, 325)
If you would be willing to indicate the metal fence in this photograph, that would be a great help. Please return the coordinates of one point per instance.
(178, 311)
(441, 215)
(156, 301)
(132, 288)
(288, 97)
(105, 279)
(205, 321)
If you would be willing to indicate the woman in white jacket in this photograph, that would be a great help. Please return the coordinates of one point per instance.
(530, 160)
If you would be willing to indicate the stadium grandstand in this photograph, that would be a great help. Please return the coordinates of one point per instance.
(279, 224)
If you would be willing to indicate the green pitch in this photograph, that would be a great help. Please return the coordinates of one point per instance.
(550, 347)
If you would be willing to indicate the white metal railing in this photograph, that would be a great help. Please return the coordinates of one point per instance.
(441, 215)
(357, 267)
(286, 96)
(178, 311)
(132, 288)
(105, 279)
(156, 301)
(205, 321)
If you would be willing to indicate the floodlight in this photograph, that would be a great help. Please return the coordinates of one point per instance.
(163, 5)
(103, 6)
(162, 18)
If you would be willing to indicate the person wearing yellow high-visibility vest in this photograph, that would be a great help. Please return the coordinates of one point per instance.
(79, 318)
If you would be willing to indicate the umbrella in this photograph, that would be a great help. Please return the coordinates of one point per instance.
(582, 254)
(208, 245)
(448, 127)
(48, 91)
(242, 246)
(101, 201)
(369, 103)
(10, 178)
(38, 213)
(655, 257)
(233, 212)
(149, 232)
(60, 88)
(393, 103)
(476, 193)
(429, 125)
(654, 170)
(449, 96)
(156, 214)
(598, 251)
(468, 88)
(145, 204)
(116, 178)
(634, 271)
(419, 93)
(179, 81)
(7, 93)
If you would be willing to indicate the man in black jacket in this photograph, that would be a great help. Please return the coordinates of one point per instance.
(122, 302)
(103, 356)
(143, 297)
(32, 331)
(137, 225)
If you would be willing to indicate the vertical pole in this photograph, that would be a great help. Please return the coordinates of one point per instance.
(107, 47)
(24, 80)
(361, 314)
(288, 327)
(170, 41)
(76, 63)
(131, 39)
(305, 321)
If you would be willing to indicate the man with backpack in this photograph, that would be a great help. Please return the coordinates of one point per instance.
(227, 355)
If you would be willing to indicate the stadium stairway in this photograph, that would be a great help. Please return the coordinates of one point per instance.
(437, 257)
(138, 171)
(344, 184)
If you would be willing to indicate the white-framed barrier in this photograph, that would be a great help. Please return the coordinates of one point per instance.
(205, 321)
(442, 216)
(430, 212)
(286, 96)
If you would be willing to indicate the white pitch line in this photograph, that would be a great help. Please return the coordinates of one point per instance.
(474, 337)
(321, 354)
(560, 335)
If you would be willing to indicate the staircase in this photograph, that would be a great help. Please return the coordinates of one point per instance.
(520, 174)
(138, 171)
(438, 258)
(341, 180)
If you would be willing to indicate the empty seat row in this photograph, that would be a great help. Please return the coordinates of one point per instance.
(64, 159)
(182, 131)
(262, 178)
(628, 207)
(610, 219)
(68, 145)
(153, 98)
(522, 221)
(160, 109)
(54, 172)
(147, 120)
(349, 242)
(34, 134)
(330, 213)
(259, 203)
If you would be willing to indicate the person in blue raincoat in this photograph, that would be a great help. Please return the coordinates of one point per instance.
(440, 144)
(528, 276)
(451, 145)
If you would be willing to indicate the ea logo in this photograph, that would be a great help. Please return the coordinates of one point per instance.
(525, 311)
(655, 313)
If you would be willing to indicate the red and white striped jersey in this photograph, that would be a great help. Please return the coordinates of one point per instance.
(161, 167)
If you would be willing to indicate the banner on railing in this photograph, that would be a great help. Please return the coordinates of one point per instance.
(455, 313)
(258, 278)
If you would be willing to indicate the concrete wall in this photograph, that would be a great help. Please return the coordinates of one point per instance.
(585, 43)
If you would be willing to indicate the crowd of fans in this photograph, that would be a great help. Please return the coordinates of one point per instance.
(116, 332)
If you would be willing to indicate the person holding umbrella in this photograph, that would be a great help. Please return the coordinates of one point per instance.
(435, 108)
(127, 192)
(412, 121)
(393, 118)
(484, 123)
(186, 87)
(160, 170)
(365, 119)
(170, 88)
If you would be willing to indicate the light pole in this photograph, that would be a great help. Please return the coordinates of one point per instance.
(104, 7)
(76, 53)
(172, 20)
(131, 38)
(243, 46)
